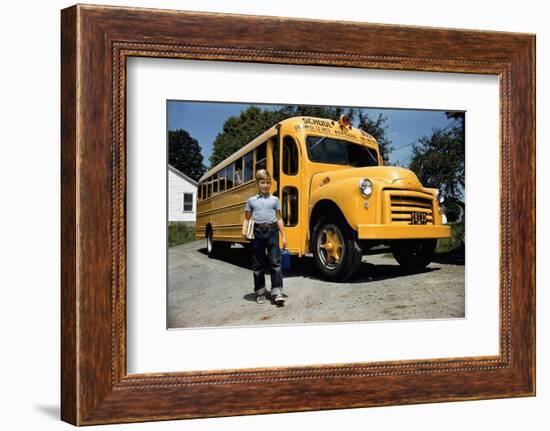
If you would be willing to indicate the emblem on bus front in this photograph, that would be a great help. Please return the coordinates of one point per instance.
(418, 218)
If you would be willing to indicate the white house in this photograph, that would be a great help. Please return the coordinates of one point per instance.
(182, 196)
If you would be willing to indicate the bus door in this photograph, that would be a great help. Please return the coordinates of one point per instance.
(273, 165)
(289, 188)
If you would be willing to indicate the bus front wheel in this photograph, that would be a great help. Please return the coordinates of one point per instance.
(336, 252)
(413, 254)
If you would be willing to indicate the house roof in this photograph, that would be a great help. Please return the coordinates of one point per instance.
(182, 175)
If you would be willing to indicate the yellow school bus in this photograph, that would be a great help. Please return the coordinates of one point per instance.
(338, 199)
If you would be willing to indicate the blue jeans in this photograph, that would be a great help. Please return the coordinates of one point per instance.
(266, 255)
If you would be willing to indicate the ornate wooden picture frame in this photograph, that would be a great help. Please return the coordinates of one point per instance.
(96, 42)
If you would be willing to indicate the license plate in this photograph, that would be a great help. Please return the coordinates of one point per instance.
(418, 218)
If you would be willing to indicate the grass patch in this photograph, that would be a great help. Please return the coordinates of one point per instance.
(180, 234)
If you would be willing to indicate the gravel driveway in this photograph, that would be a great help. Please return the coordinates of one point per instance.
(204, 292)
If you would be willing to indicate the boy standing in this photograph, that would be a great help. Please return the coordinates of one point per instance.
(265, 210)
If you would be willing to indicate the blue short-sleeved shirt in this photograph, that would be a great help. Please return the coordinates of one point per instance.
(263, 208)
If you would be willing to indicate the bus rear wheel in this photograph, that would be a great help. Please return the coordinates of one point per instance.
(336, 252)
(413, 254)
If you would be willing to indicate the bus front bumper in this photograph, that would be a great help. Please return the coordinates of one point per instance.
(376, 231)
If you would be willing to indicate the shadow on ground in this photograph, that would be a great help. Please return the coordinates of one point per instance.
(238, 256)
(370, 272)
(305, 266)
(454, 257)
(252, 297)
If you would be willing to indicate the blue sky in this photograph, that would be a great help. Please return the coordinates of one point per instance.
(204, 120)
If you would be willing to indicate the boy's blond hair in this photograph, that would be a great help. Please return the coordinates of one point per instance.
(262, 174)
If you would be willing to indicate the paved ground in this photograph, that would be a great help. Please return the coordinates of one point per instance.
(218, 292)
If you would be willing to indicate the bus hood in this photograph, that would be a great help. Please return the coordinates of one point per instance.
(389, 175)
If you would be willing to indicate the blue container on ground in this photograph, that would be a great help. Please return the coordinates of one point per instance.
(285, 259)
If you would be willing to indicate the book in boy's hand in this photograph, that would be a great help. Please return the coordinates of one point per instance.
(250, 229)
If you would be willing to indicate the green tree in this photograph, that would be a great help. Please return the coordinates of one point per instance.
(241, 129)
(438, 161)
(184, 154)
(377, 128)
(332, 113)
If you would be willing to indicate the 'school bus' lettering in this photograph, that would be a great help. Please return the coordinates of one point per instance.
(338, 199)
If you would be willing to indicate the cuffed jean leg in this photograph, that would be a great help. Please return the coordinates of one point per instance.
(258, 263)
(274, 256)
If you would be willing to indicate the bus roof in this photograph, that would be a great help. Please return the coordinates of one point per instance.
(311, 124)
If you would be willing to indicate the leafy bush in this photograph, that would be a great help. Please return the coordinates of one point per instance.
(445, 245)
(180, 234)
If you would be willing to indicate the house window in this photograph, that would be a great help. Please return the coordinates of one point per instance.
(187, 202)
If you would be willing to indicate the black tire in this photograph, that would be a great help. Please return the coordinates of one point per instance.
(336, 251)
(215, 248)
(413, 254)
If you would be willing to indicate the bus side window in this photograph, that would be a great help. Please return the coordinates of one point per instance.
(199, 192)
(209, 187)
(261, 157)
(248, 166)
(239, 172)
(215, 183)
(229, 177)
(290, 156)
(222, 180)
(290, 206)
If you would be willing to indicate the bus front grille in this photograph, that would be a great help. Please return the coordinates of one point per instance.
(407, 207)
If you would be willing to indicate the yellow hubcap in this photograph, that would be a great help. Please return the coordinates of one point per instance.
(332, 246)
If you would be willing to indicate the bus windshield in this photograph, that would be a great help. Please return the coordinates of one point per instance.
(323, 149)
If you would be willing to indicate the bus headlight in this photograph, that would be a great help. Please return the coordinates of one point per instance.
(440, 197)
(365, 187)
